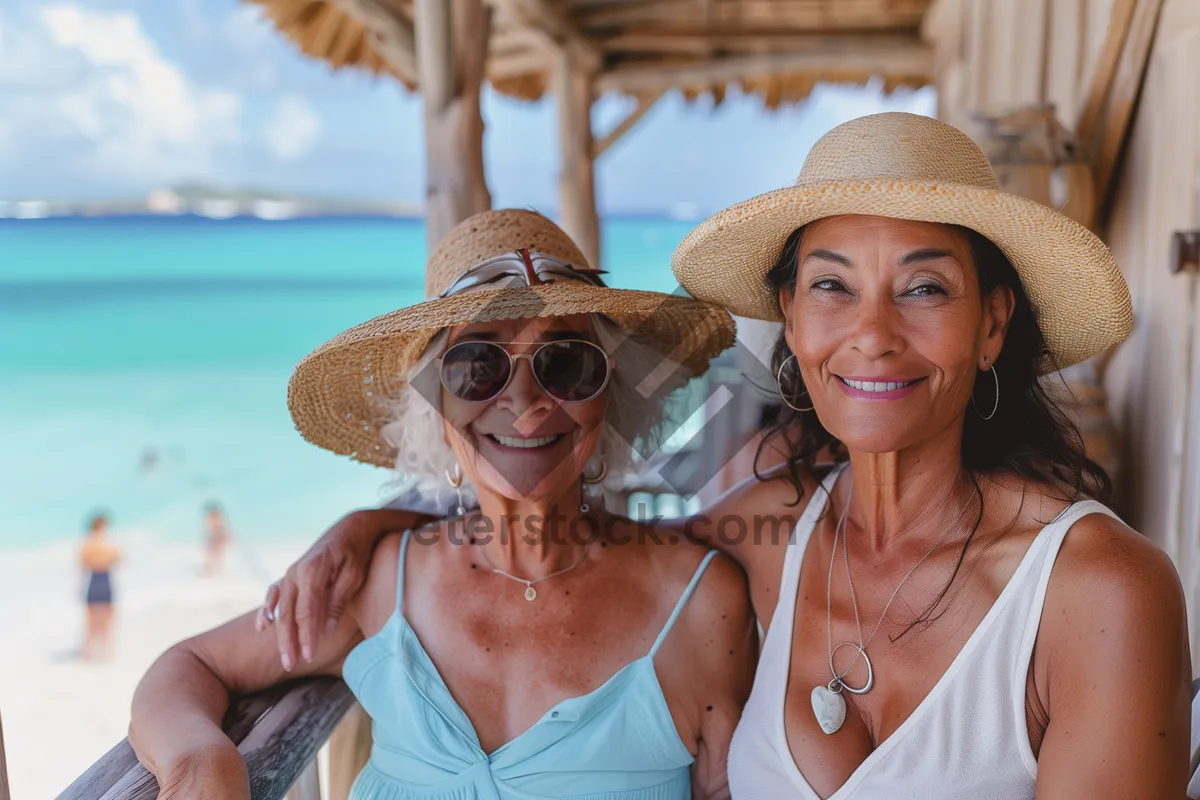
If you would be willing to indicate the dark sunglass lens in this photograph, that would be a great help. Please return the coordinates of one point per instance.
(475, 371)
(571, 371)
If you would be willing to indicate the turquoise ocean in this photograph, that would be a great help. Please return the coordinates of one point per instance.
(144, 364)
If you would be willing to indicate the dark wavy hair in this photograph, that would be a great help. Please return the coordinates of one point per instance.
(1029, 436)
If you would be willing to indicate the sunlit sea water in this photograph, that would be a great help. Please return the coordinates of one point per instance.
(144, 364)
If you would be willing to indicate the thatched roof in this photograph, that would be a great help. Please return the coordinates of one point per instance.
(777, 49)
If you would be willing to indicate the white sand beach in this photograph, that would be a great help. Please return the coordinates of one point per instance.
(59, 713)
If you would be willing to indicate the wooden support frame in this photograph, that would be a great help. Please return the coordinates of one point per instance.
(574, 91)
(558, 32)
(908, 56)
(392, 35)
(644, 104)
(1113, 129)
(451, 49)
(1106, 68)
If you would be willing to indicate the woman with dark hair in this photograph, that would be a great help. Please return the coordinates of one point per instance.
(954, 613)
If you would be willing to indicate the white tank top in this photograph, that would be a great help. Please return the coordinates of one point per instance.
(967, 738)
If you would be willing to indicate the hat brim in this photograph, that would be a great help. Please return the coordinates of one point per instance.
(1076, 288)
(339, 394)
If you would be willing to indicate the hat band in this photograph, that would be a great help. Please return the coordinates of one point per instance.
(521, 268)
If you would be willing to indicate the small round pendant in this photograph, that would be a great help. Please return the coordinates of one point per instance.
(530, 593)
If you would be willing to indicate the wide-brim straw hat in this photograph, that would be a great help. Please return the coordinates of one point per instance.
(339, 393)
(912, 167)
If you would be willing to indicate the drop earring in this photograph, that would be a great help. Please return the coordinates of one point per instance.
(590, 480)
(455, 479)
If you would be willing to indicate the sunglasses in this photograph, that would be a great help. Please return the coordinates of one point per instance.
(570, 370)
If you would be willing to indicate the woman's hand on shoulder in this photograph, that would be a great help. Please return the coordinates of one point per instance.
(312, 596)
(1118, 668)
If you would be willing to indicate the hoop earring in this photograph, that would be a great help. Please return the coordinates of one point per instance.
(996, 404)
(455, 479)
(586, 480)
(779, 385)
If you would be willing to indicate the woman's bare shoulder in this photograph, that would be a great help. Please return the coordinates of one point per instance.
(1104, 561)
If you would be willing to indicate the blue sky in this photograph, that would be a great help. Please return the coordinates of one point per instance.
(102, 98)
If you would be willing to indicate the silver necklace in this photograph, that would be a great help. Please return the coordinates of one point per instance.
(530, 592)
(829, 707)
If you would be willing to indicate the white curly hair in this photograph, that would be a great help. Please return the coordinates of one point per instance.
(639, 407)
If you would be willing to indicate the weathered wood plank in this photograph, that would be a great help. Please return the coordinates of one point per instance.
(308, 785)
(278, 732)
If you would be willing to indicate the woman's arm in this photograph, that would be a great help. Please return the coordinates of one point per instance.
(708, 663)
(1118, 671)
(178, 706)
(751, 523)
(312, 597)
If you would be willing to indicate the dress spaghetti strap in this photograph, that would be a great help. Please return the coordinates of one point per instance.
(691, 587)
(400, 572)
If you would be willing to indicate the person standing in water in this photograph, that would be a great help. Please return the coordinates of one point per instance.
(98, 556)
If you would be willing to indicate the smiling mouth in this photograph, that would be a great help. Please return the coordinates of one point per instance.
(877, 386)
(525, 444)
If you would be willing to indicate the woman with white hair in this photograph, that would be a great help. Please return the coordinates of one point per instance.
(534, 645)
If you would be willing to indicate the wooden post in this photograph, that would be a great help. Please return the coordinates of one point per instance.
(451, 49)
(349, 750)
(574, 90)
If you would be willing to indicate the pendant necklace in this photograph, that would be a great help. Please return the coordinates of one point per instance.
(530, 592)
(829, 707)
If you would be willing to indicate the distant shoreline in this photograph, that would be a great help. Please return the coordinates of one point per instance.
(330, 217)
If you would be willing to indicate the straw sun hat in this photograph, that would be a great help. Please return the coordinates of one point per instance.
(337, 393)
(911, 167)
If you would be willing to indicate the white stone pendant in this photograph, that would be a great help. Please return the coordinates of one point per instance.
(829, 708)
(530, 593)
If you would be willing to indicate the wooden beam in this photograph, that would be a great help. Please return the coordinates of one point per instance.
(815, 15)
(756, 40)
(391, 34)
(451, 49)
(278, 732)
(912, 59)
(349, 751)
(574, 92)
(1104, 71)
(557, 31)
(644, 104)
(519, 62)
(1122, 102)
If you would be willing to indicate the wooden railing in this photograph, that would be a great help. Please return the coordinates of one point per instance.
(278, 732)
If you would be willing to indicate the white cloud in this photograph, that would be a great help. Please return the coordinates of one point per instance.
(292, 130)
(125, 112)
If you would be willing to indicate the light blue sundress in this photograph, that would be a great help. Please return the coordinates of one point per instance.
(617, 742)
